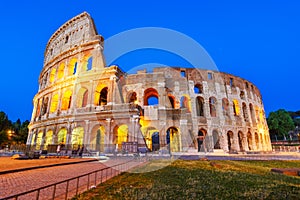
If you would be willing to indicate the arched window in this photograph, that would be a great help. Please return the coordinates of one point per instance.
(52, 75)
(89, 63)
(200, 106)
(38, 109)
(82, 98)
(54, 103)
(225, 107)
(185, 103)
(45, 105)
(60, 71)
(236, 108)
(252, 113)
(213, 106)
(198, 89)
(242, 95)
(66, 100)
(103, 96)
(72, 66)
(151, 97)
(245, 113)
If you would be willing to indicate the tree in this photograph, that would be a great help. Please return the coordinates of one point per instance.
(3, 138)
(280, 123)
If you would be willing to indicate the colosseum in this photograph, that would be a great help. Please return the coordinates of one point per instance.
(83, 102)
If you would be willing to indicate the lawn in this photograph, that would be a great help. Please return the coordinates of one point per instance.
(203, 180)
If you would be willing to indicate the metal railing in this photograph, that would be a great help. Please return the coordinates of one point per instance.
(73, 186)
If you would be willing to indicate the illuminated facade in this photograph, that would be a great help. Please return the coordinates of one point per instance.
(81, 101)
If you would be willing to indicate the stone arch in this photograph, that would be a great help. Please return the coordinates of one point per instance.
(249, 140)
(62, 136)
(48, 138)
(66, 100)
(241, 140)
(151, 97)
(252, 113)
(61, 71)
(185, 102)
(236, 108)
(72, 67)
(245, 113)
(97, 94)
(200, 106)
(257, 140)
(77, 137)
(98, 138)
(120, 136)
(173, 139)
(52, 75)
(39, 139)
(82, 98)
(151, 136)
(216, 139)
(200, 139)
(54, 103)
(213, 106)
(230, 140)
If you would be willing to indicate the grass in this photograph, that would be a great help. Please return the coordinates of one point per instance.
(202, 180)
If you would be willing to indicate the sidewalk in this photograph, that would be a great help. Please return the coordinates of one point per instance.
(8, 165)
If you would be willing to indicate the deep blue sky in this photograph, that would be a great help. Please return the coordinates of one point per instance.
(256, 40)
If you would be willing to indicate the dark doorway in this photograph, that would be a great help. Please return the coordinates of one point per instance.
(155, 141)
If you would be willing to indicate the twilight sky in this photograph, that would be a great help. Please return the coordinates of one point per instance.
(256, 40)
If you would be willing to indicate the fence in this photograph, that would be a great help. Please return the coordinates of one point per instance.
(70, 187)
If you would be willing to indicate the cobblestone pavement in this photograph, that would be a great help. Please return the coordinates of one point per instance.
(14, 183)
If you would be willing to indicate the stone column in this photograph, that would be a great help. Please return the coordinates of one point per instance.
(109, 147)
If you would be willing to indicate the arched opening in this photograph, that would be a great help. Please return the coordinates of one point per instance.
(97, 140)
(200, 106)
(38, 109)
(249, 140)
(200, 139)
(252, 113)
(240, 138)
(103, 96)
(54, 103)
(77, 137)
(213, 106)
(89, 63)
(230, 140)
(72, 66)
(257, 141)
(173, 139)
(52, 75)
(38, 142)
(185, 103)
(198, 89)
(236, 108)
(245, 113)
(155, 141)
(82, 98)
(132, 97)
(45, 105)
(151, 97)
(66, 100)
(48, 138)
(60, 71)
(216, 139)
(121, 135)
(62, 136)
(225, 107)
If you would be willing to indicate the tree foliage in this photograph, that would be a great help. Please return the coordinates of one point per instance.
(18, 130)
(280, 123)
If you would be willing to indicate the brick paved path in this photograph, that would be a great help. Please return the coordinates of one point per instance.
(18, 182)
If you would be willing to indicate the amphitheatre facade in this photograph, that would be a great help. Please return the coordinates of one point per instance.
(81, 101)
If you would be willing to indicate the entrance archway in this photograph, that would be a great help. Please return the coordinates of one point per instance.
(216, 140)
(97, 140)
(173, 139)
(155, 141)
(77, 137)
(240, 137)
(200, 139)
(230, 140)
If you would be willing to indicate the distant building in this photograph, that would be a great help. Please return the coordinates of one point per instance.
(81, 101)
